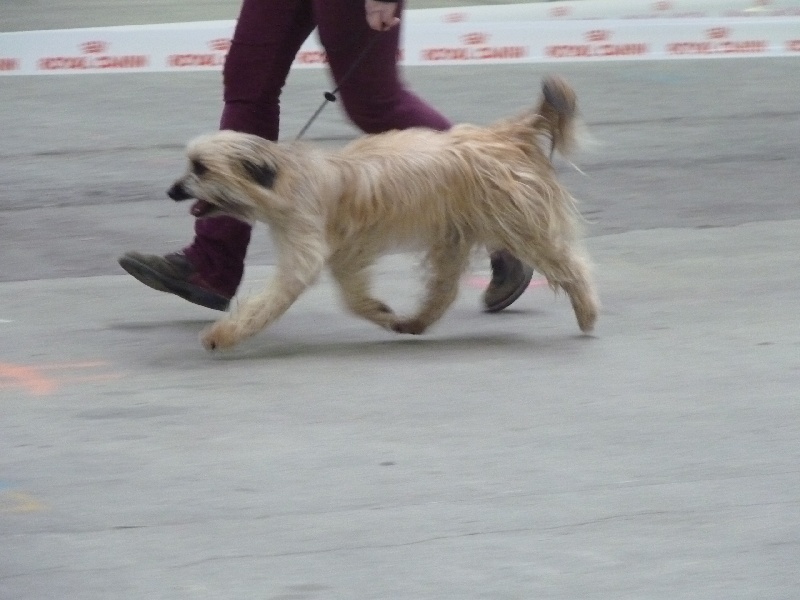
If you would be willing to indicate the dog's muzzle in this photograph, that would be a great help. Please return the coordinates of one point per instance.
(200, 208)
(178, 193)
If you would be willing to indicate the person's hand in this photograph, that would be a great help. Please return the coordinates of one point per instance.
(381, 15)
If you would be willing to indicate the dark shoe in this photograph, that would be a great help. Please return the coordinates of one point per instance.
(174, 274)
(510, 278)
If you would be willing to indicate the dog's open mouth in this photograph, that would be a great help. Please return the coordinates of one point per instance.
(201, 208)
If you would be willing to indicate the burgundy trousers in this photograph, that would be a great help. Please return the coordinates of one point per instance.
(267, 37)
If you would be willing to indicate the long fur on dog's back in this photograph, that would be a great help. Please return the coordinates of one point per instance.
(478, 174)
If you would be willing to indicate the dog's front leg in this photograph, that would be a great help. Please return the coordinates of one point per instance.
(448, 262)
(302, 258)
(350, 269)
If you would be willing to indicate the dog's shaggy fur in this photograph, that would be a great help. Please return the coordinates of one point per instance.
(445, 193)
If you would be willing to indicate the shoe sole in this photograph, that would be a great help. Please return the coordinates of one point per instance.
(182, 289)
(513, 297)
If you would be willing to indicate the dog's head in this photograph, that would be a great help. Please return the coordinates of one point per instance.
(227, 173)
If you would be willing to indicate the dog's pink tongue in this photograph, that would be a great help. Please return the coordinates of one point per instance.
(200, 208)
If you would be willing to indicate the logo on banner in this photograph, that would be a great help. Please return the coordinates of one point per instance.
(93, 55)
(214, 58)
(597, 35)
(455, 17)
(9, 64)
(598, 44)
(311, 57)
(318, 57)
(717, 41)
(793, 45)
(475, 46)
(220, 45)
(560, 11)
(94, 47)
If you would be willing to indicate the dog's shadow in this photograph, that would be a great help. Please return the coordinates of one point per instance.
(432, 347)
(188, 325)
(287, 342)
(285, 348)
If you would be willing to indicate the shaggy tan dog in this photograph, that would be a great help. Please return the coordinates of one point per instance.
(445, 193)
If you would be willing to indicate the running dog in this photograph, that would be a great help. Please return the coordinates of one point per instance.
(443, 193)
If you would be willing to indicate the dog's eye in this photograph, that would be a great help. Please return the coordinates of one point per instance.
(198, 168)
(261, 173)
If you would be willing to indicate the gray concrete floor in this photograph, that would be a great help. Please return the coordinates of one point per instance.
(497, 457)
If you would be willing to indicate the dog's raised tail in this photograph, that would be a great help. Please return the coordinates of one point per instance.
(559, 108)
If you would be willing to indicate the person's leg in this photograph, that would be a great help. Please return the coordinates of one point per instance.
(372, 92)
(267, 36)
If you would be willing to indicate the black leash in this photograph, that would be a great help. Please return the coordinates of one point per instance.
(331, 96)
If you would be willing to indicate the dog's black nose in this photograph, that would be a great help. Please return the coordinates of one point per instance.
(177, 193)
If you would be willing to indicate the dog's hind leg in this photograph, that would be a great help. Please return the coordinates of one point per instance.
(351, 272)
(302, 257)
(565, 268)
(447, 262)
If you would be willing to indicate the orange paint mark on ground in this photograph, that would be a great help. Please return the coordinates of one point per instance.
(33, 379)
(19, 502)
(28, 378)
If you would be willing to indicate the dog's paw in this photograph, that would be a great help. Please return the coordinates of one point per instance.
(219, 336)
(410, 326)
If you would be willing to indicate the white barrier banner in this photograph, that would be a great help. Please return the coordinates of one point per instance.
(608, 9)
(601, 40)
(203, 46)
(117, 49)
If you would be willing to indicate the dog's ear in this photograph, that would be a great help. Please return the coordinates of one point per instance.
(260, 172)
